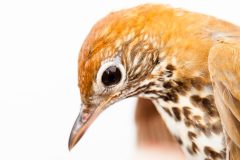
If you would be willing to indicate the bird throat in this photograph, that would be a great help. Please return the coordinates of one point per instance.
(188, 109)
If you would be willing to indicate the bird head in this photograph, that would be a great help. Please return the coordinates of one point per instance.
(120, 58)
(116, 56)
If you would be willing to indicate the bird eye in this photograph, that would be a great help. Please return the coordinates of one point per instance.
(111, 76)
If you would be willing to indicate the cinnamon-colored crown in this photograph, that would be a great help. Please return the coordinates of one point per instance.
(173, 32)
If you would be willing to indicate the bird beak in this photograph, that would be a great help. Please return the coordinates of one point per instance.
(83, 121)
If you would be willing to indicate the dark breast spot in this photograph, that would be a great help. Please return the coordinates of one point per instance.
(186, 112)
(195, 99)
(212, 154)
(183, 85)
(191, 135)
(167, 111)
(179, 140)
(170, 96)
(170, 67)
(173, 96)
(177, 113)
(206, 104)
(169, 70)
(167, 85)
(193, 149)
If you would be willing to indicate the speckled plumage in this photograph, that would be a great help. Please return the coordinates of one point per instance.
(189, 112)
(169, 56)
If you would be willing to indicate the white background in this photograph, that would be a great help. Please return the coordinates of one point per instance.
(39, 98)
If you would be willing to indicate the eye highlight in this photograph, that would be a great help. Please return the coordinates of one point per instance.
(111, 76)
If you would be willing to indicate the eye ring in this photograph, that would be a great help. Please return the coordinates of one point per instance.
(114, 73)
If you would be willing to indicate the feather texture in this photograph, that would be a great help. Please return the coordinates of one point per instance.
(224, 68)
(169, 55)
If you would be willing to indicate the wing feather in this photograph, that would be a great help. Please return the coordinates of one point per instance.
(224, 68)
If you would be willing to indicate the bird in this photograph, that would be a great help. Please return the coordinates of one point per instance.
(186, 63)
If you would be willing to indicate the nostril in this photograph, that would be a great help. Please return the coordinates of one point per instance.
(85, 117)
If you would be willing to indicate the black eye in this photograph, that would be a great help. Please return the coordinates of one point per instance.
(111, 76)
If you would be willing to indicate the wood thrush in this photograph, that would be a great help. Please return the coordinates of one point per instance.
(187, 64)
